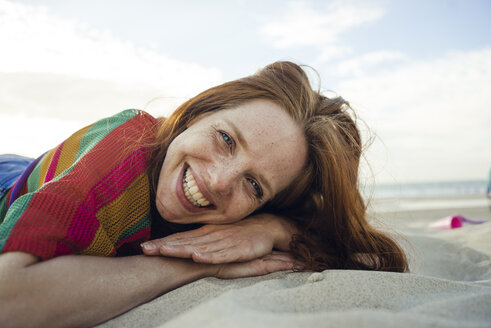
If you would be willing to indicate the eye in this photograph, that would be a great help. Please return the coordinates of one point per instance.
(228, 140)
(257, 188)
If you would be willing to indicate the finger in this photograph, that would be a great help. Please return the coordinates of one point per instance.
(203, 238)
(270, 266)
(276, 255)
(152, 247)
(186, 251)
(181, 238)
(286, 257)
(255, 267)
(233, 250)
(276, 264)
(227, 255)
(204, 230)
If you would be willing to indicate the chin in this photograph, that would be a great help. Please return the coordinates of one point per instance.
(163, 212)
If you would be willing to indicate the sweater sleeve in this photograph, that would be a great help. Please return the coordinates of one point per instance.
(90, 195)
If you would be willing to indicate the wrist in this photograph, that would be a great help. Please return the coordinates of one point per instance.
(200, 270)
(178, 272)
(283, 231)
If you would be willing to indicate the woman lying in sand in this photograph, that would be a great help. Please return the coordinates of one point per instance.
(250, 177)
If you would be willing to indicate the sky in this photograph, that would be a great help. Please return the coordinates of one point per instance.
(417, 73)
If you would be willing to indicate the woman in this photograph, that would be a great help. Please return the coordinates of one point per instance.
(253, 176)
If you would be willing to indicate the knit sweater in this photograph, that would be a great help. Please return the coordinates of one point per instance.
(89, 195)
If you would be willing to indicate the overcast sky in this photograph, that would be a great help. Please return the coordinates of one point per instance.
(418, 73)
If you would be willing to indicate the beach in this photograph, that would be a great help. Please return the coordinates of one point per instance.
(449, 284)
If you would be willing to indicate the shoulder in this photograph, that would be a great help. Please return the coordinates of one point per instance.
(128, 116)
(123, 128)
(134, 113)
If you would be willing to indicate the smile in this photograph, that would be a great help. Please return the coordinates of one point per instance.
(192, 192)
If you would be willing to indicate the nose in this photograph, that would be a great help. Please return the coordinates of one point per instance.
(223, 178)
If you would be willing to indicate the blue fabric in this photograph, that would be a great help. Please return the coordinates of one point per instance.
(11, 168)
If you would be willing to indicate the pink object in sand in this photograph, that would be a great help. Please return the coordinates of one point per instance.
(452, 222)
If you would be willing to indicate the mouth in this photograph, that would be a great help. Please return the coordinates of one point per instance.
(192, 192)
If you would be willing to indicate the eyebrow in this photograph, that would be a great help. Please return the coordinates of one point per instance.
(242, 141)
(238, 133)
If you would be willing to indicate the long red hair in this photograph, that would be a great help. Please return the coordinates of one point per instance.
(324, 201)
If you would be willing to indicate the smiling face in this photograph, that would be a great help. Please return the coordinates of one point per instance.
(227, 164)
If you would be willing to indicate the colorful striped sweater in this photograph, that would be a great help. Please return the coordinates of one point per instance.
(90, 195)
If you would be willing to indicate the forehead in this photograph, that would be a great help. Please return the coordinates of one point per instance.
(262, 123)
(276, 147)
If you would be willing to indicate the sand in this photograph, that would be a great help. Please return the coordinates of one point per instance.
(449, 284)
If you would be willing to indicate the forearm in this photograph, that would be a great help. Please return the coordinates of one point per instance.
(85, 290)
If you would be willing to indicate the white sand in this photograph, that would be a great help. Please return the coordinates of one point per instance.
(449, 286)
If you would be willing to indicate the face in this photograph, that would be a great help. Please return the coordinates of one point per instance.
(227, 164)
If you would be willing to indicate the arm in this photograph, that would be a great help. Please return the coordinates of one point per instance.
(248, 239)
(78, 290)
(84, 290)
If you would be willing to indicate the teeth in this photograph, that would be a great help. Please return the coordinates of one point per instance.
(192, 191)
(197, 196)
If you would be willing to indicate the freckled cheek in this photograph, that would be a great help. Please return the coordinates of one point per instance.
(201, 148)
(286, 175)
(240, 207)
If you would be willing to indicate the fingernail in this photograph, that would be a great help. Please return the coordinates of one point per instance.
(148, 246)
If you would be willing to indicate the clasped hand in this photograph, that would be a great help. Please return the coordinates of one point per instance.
(244, 248)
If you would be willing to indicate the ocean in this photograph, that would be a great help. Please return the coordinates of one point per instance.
(430, 189)
(428, 196)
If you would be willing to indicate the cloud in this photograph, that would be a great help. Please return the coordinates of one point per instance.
(432, 117)
(359, 65)
(303, 25)
(332, 52)
(71, 97)
(58, 75)
(22, 132)
(35, 41)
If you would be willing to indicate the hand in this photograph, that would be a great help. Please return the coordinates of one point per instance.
(276, 261)
(242, 241)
